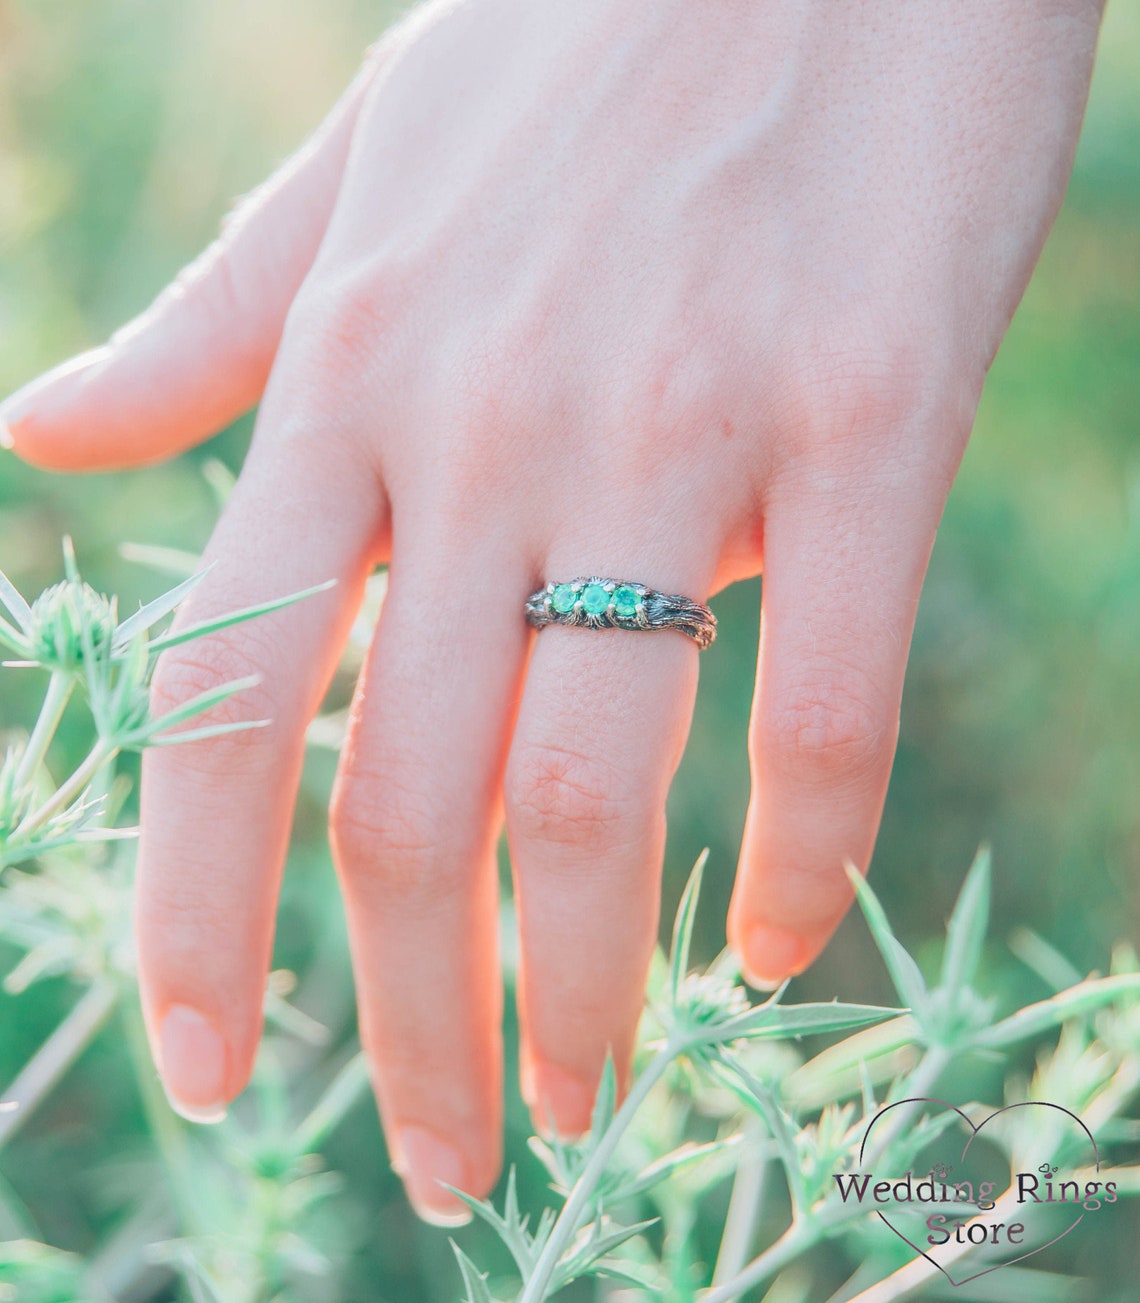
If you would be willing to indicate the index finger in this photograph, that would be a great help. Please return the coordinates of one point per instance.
(216, 813)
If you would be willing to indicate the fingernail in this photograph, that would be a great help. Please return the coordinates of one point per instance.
(561, 1103)
(38, 391)
(772, 956)
(192, 1061)
(422, 1159)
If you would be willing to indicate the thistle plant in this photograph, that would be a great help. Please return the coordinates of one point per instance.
(65, 903)
(74, 634)
(737, 1115)
(808, 1121)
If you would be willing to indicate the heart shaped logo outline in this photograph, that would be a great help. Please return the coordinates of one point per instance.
(974, 1132)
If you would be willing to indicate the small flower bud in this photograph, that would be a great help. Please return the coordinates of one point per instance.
(59, 617)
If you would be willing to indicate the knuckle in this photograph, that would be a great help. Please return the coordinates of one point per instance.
(824, 736)
(203, 666)
(560, 796)
(848, 386)
(350, 321)
(682, 388)
(389, 840)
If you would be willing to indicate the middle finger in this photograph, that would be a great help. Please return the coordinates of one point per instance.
(603, 721)
(415, 820)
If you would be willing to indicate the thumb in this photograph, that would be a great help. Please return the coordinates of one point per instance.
(200, 355)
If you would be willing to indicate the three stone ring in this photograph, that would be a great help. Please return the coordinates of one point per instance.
(597, 603)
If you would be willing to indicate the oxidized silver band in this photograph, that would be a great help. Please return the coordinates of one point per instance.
(597, 603)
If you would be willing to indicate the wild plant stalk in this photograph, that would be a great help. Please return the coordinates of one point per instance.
(67, 915)
(744, 1206)
(240, 1202)
(44, 1070)
(708, 1023)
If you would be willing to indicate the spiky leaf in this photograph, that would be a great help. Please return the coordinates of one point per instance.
(683, 926)
(605, 1100)
(10, 595)
(789, 1020)
(902, 968)
(152, 612)
(474, 1281)
(966, 932)
(1083, 998)
(205, 627)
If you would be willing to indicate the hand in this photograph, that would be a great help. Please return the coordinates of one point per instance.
(668, 292)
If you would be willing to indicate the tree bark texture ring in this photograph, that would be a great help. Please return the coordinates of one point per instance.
(597, 603)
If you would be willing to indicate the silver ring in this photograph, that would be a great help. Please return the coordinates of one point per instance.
(596, 603)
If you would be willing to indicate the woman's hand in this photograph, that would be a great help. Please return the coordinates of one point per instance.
(660, 291)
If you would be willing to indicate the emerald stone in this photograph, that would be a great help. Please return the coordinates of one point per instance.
(595, 599)
(563, 598)
(625, 600)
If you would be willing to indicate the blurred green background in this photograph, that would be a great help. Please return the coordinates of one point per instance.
(127, 127)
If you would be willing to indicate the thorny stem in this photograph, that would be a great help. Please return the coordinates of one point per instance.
(61, 798)
(812, 1228)
(926, 1072)
(799, 1237)
(570, 1218)
(918, 1273)
(796, 1240)
(167, 1133)
(349, 1085)
(51, 712)
(743, 1206)
(57, 1054)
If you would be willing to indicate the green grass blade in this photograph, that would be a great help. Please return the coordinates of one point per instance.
(966, 931)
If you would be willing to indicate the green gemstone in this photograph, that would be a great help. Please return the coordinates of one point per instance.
(625, 600)
(595, 599)
(563, 598)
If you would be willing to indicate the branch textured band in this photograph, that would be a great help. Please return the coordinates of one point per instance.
(597, 603)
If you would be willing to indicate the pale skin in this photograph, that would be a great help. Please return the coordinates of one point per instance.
(672, 292)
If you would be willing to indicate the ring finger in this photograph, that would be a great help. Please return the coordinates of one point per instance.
(601, 728)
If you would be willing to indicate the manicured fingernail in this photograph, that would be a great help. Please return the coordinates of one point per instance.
(772, 956)
(192, 1060)
(422, 1159)
(6, 440)
(560, 1102)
